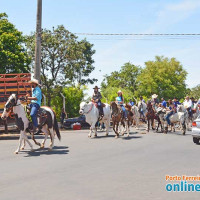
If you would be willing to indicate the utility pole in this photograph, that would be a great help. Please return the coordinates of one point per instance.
(38, 41)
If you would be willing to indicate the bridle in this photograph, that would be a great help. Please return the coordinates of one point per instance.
(88, 110)
(11, 104)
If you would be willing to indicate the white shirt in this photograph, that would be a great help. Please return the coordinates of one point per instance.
(187, 104)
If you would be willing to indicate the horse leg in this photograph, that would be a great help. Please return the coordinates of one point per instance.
(45, 130)
(148, 125)
(21, 138)
(24, 144)
(127, 127)
(152, 124)
(51, 133)
(107, 124)
(33, 138)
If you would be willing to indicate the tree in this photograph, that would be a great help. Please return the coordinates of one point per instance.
(13, 55)
(110, 93)
(195, 92)
(124, 79)
(73, 95)
(165, 77)
(80, 62)
(62, 62)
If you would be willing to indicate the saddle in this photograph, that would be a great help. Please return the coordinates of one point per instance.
(102, 104)
(41, 114)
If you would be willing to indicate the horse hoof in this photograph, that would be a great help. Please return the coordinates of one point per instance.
(38, 144)
(106, 134)
(116, 136)
(22, 148)
(16, 152)
(41, 146)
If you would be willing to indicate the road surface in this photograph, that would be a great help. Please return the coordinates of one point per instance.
(102, 168)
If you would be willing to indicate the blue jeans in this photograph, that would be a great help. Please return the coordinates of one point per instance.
(34, 109)
(168, 116)
(124, 111)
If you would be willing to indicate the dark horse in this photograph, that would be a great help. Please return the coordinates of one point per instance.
(151, 115)
(116, 115)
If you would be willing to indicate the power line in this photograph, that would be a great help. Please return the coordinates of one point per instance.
(141, 34)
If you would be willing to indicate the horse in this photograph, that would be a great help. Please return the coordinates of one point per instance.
(49, 126)
(136, 116)
(91, 113)
(116, 115)
(151, 115)
(196, 111)
(178, 117)
(188, 119)
(142, 108)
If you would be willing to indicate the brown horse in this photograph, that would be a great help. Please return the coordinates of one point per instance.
(116, 115)
(151, 115)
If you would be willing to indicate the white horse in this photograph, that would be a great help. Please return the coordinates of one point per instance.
(142, 108)
(91, 113)
(197, 111)
(50, 125)
(189, 120)
(136, 116)
(179, 117)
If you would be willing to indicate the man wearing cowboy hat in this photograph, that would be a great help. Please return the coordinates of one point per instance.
(36, 100)
(96, 98)
(188, 105)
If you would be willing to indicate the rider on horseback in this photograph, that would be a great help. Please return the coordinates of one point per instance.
(120, 102)
(36, 100)
(188, 105)
(96, 98)
(172, 110)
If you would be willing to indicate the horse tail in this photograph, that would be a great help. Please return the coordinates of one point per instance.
(55, 126)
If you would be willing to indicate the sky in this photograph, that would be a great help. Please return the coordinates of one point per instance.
(120, 16)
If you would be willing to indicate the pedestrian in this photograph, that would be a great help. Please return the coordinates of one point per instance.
(63, 115)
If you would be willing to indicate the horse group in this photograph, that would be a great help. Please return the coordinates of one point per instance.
(143, 112)
(137, 114)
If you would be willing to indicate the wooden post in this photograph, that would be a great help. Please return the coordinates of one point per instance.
(38, 41)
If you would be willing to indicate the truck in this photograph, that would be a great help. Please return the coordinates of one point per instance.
(9, 84)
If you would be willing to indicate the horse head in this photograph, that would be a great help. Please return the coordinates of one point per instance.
(12, 101)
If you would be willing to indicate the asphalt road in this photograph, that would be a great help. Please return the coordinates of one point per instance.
(102, 168)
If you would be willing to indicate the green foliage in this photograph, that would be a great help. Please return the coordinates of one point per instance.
(195, 92)
(73, 95)
(165, 77)
(65, 61)
(80, 62)
(110, 93)
(13, 56)
(125, 78)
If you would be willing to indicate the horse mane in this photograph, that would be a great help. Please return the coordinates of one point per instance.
(128, 107)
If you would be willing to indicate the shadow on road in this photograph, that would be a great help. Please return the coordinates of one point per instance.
(57, 150)
(131, 137)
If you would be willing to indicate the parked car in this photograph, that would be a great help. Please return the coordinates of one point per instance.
(196, 130)
(70, 121)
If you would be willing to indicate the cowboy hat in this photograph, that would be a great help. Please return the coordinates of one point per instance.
(154, 96)
(119, 92)
(96, 87)
(34, 81)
